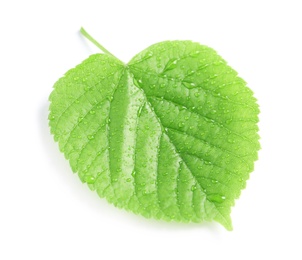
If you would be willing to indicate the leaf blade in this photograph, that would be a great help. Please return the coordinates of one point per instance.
(164, 137)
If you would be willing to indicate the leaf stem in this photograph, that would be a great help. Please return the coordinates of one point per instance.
(90, 38)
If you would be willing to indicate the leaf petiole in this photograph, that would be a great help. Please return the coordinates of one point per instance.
(90, 38)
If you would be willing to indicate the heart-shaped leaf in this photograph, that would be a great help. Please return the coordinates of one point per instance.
(171, 135)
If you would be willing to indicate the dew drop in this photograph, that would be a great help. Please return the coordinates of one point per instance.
(89, 179)
(90, 137)
(92, 112)
(216, 198)
(128, 180)
(213, 76)
(196, 94)
(190, 72)
(171, 64)
(203, 66)
(80, 119)
(51, 117)
(230, 140)
(194, 54)
(207, 163)
(193, 187)
(218, 62)
(228, 121)
(181, 124)
(150, 54)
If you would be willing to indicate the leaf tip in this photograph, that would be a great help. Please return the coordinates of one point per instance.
(225, 221)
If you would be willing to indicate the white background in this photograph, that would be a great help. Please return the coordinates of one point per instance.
(47, 213)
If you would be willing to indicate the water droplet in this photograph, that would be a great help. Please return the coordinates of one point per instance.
(194, 54)
(133, 173)
(80, 119)
(207, 163)
(216, 198)
(218, 62)
(231, 140)
(171, 64)
(190, 72)
(213, 76)
(203, 66)
(51, 117)
(193, 187)
(128, 180)
(196, 94)
(214, 181)
(90, 137)
(189, 85)
(92, 112)
(149, 53)
(89, 179)
(181, 124)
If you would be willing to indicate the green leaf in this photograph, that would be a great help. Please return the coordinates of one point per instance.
(171, 135)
